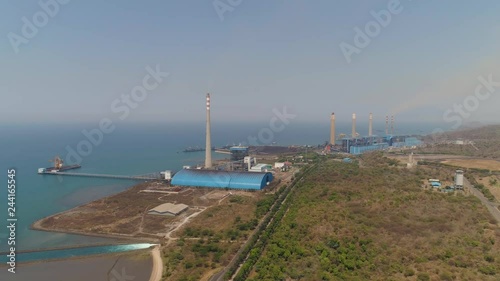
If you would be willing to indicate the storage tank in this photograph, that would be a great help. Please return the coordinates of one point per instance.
(459, 179)
(167, 174)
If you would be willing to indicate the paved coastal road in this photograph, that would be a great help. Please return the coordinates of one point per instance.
(491, 206)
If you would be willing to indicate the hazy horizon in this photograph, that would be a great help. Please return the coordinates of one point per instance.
(257, 57)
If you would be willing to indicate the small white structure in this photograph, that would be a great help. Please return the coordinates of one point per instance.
(283, 166)
(261, 168)
(279, 165)
(186, 167)
(459, 179)
(167, 174)
(250, 161)
(411, 162)
(168, 209)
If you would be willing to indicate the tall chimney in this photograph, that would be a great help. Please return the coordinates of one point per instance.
(370, 125)
(392, 124)
(354, 125)
(208, 143)
(386, 124)
(332, 129)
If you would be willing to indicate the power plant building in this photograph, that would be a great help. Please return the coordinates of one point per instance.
(359, 145)
(222, 179)
(238, 152)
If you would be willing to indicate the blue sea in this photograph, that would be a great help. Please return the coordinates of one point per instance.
(130, 149)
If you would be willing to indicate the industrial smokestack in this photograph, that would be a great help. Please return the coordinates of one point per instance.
(332, 129)
(354, 125)
(387, 124)
(392, 125)
(370, 125)
(208, 143)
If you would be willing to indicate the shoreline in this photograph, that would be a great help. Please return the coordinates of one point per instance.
(154, 251)
(137, 264)
(37, 224)
(85, 257)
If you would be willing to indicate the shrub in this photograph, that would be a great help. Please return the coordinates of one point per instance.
(489, 258)
(409, 272)
(423, 277)
(487, 270)
(446, 276)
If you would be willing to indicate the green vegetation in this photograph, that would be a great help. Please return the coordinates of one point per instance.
(253, 249)
(486, 140)
(211, 239)
(486, 192)
(470, 174)
(374, 222)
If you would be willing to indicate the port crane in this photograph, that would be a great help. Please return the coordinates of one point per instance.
(58, 162)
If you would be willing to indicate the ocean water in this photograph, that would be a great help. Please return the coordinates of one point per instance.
(80, 251)
(129, 150)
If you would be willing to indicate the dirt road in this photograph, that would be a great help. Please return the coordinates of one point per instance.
(157, 265)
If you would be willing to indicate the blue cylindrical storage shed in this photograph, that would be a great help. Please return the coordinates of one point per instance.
(221, 179)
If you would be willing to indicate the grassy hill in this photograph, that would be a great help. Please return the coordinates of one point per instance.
(486, 140)
(377, 223)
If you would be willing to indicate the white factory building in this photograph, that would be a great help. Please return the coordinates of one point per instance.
(261, 168)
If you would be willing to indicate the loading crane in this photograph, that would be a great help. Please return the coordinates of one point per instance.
(58, 162)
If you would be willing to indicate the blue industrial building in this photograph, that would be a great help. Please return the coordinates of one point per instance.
(364, 144)
(365, 148)
(222, 179)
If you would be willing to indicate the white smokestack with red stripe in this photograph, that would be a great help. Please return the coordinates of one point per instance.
(208, 143)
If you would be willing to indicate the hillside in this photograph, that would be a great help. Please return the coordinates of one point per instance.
(377, 223)
(486, 142)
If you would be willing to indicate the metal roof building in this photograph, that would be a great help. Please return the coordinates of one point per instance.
(168, 209)
(222, 179)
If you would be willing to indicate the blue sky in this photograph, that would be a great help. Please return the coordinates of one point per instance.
(262, 55)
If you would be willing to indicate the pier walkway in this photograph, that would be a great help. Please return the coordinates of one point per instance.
(152, 176)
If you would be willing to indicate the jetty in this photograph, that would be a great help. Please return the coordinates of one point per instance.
(151, 176)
